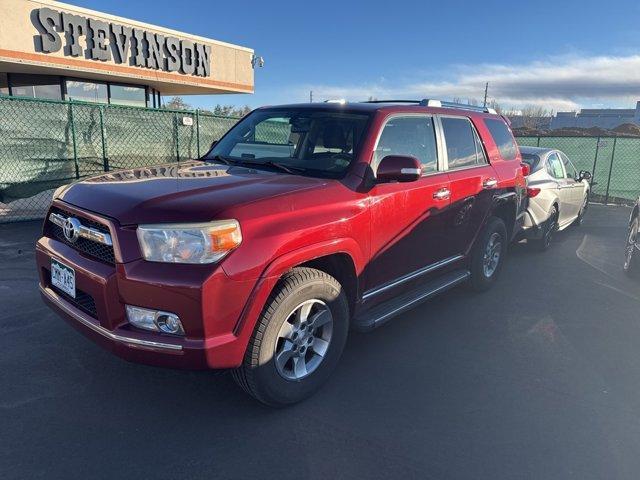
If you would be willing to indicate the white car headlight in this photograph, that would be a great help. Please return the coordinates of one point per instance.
(189, 243)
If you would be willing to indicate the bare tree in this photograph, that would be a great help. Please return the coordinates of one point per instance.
(177, 103)
(535, 116)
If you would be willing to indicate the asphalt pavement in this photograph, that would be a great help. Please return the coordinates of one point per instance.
(537, 379)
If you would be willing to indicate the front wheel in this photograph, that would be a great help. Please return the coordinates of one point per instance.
(488, 254)
(583, 210)
(631, 254)
(298, 339)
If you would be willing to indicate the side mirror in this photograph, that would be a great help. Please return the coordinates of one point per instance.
(399, 168)
(213, 144)
(584, 175)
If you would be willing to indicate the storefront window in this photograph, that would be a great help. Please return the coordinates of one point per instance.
(87, 91)
(36, 86)
(128, 95)
(4, 84)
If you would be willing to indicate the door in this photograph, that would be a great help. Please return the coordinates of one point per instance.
(571, 183)
(473, 182)
(556, 170)
(407, 218)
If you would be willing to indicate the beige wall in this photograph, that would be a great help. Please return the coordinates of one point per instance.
(231, 69)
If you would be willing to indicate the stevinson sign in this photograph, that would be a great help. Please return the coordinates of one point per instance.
(111, 42)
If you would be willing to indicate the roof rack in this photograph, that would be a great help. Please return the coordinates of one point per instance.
(427, 102)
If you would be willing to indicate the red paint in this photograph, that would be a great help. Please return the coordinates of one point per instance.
(387, 229)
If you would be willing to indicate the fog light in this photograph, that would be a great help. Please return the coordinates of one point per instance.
(154, 320)
(169, 323)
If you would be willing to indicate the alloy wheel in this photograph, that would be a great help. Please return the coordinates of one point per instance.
(492, 253)
(630, 250)
(303, 340)
(552, 226)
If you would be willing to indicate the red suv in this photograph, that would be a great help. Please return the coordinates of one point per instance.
(302, 222)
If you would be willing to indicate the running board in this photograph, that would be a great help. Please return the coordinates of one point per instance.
(383, 313)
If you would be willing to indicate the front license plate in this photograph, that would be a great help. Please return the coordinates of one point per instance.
(63, 277)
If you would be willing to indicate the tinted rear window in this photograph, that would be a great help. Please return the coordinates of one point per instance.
(532, 160)
(503, 138)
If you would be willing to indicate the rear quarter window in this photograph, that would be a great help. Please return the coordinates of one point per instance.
(503, 138)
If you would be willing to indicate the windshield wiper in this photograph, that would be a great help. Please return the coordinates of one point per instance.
(220, 159)
(269, 163)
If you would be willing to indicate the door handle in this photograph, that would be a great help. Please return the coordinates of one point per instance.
(442, 194)
(489, 183)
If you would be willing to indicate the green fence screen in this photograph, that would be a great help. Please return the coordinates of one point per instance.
(613, 161)
(46, 144)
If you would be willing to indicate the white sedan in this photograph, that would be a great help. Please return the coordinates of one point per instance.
(558, 194)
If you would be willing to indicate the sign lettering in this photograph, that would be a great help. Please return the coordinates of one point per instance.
(107, 42)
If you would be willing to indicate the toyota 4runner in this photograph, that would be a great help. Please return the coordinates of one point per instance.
(302, 222)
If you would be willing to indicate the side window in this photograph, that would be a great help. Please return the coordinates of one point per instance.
(502, 137)
(463, 145)
(414, 135)
(568, 166)
(554, 167)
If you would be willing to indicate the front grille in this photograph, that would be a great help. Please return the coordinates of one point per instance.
(96, 250)
(83, 301)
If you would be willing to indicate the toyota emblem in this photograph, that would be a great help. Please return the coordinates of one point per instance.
(71, 229)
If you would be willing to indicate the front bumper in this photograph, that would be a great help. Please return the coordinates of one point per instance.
(127, 345)
(215, 310)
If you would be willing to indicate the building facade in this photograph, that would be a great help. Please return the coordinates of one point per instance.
(58, 51)
(607, 118)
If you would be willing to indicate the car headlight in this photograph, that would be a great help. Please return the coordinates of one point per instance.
(189, 243)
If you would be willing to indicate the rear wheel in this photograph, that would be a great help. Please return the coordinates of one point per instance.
(632, 255)
(298, 339)
(549, 228)
(488, 254)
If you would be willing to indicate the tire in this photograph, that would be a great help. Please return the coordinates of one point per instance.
(485, 267)
(585, 205)
(631, 264)
(270, 372)
(549, 228)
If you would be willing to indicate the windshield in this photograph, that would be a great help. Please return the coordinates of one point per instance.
(319, 143)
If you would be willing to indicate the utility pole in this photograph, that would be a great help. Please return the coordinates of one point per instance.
(486, 91)
(310, 96)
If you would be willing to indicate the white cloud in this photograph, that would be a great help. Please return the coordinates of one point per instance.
(561, 83)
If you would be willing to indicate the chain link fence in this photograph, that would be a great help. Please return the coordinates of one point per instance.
(45, 144)
(613, 161)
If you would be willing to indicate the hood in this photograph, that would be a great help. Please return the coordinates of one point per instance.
(187, 192)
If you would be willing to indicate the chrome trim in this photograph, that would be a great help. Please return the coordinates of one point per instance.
(410, 276)
(421, 297)
(442, 194)
(411, 171)
(84, 320)
(84, 232)
(490, 183)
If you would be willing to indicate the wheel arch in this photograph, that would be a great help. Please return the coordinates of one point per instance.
(506, 208)
(341, 267)
(326, 256)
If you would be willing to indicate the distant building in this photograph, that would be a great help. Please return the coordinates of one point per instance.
(539, 123)
(606, 118)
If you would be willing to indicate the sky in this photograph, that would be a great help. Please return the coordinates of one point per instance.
(560, 55)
